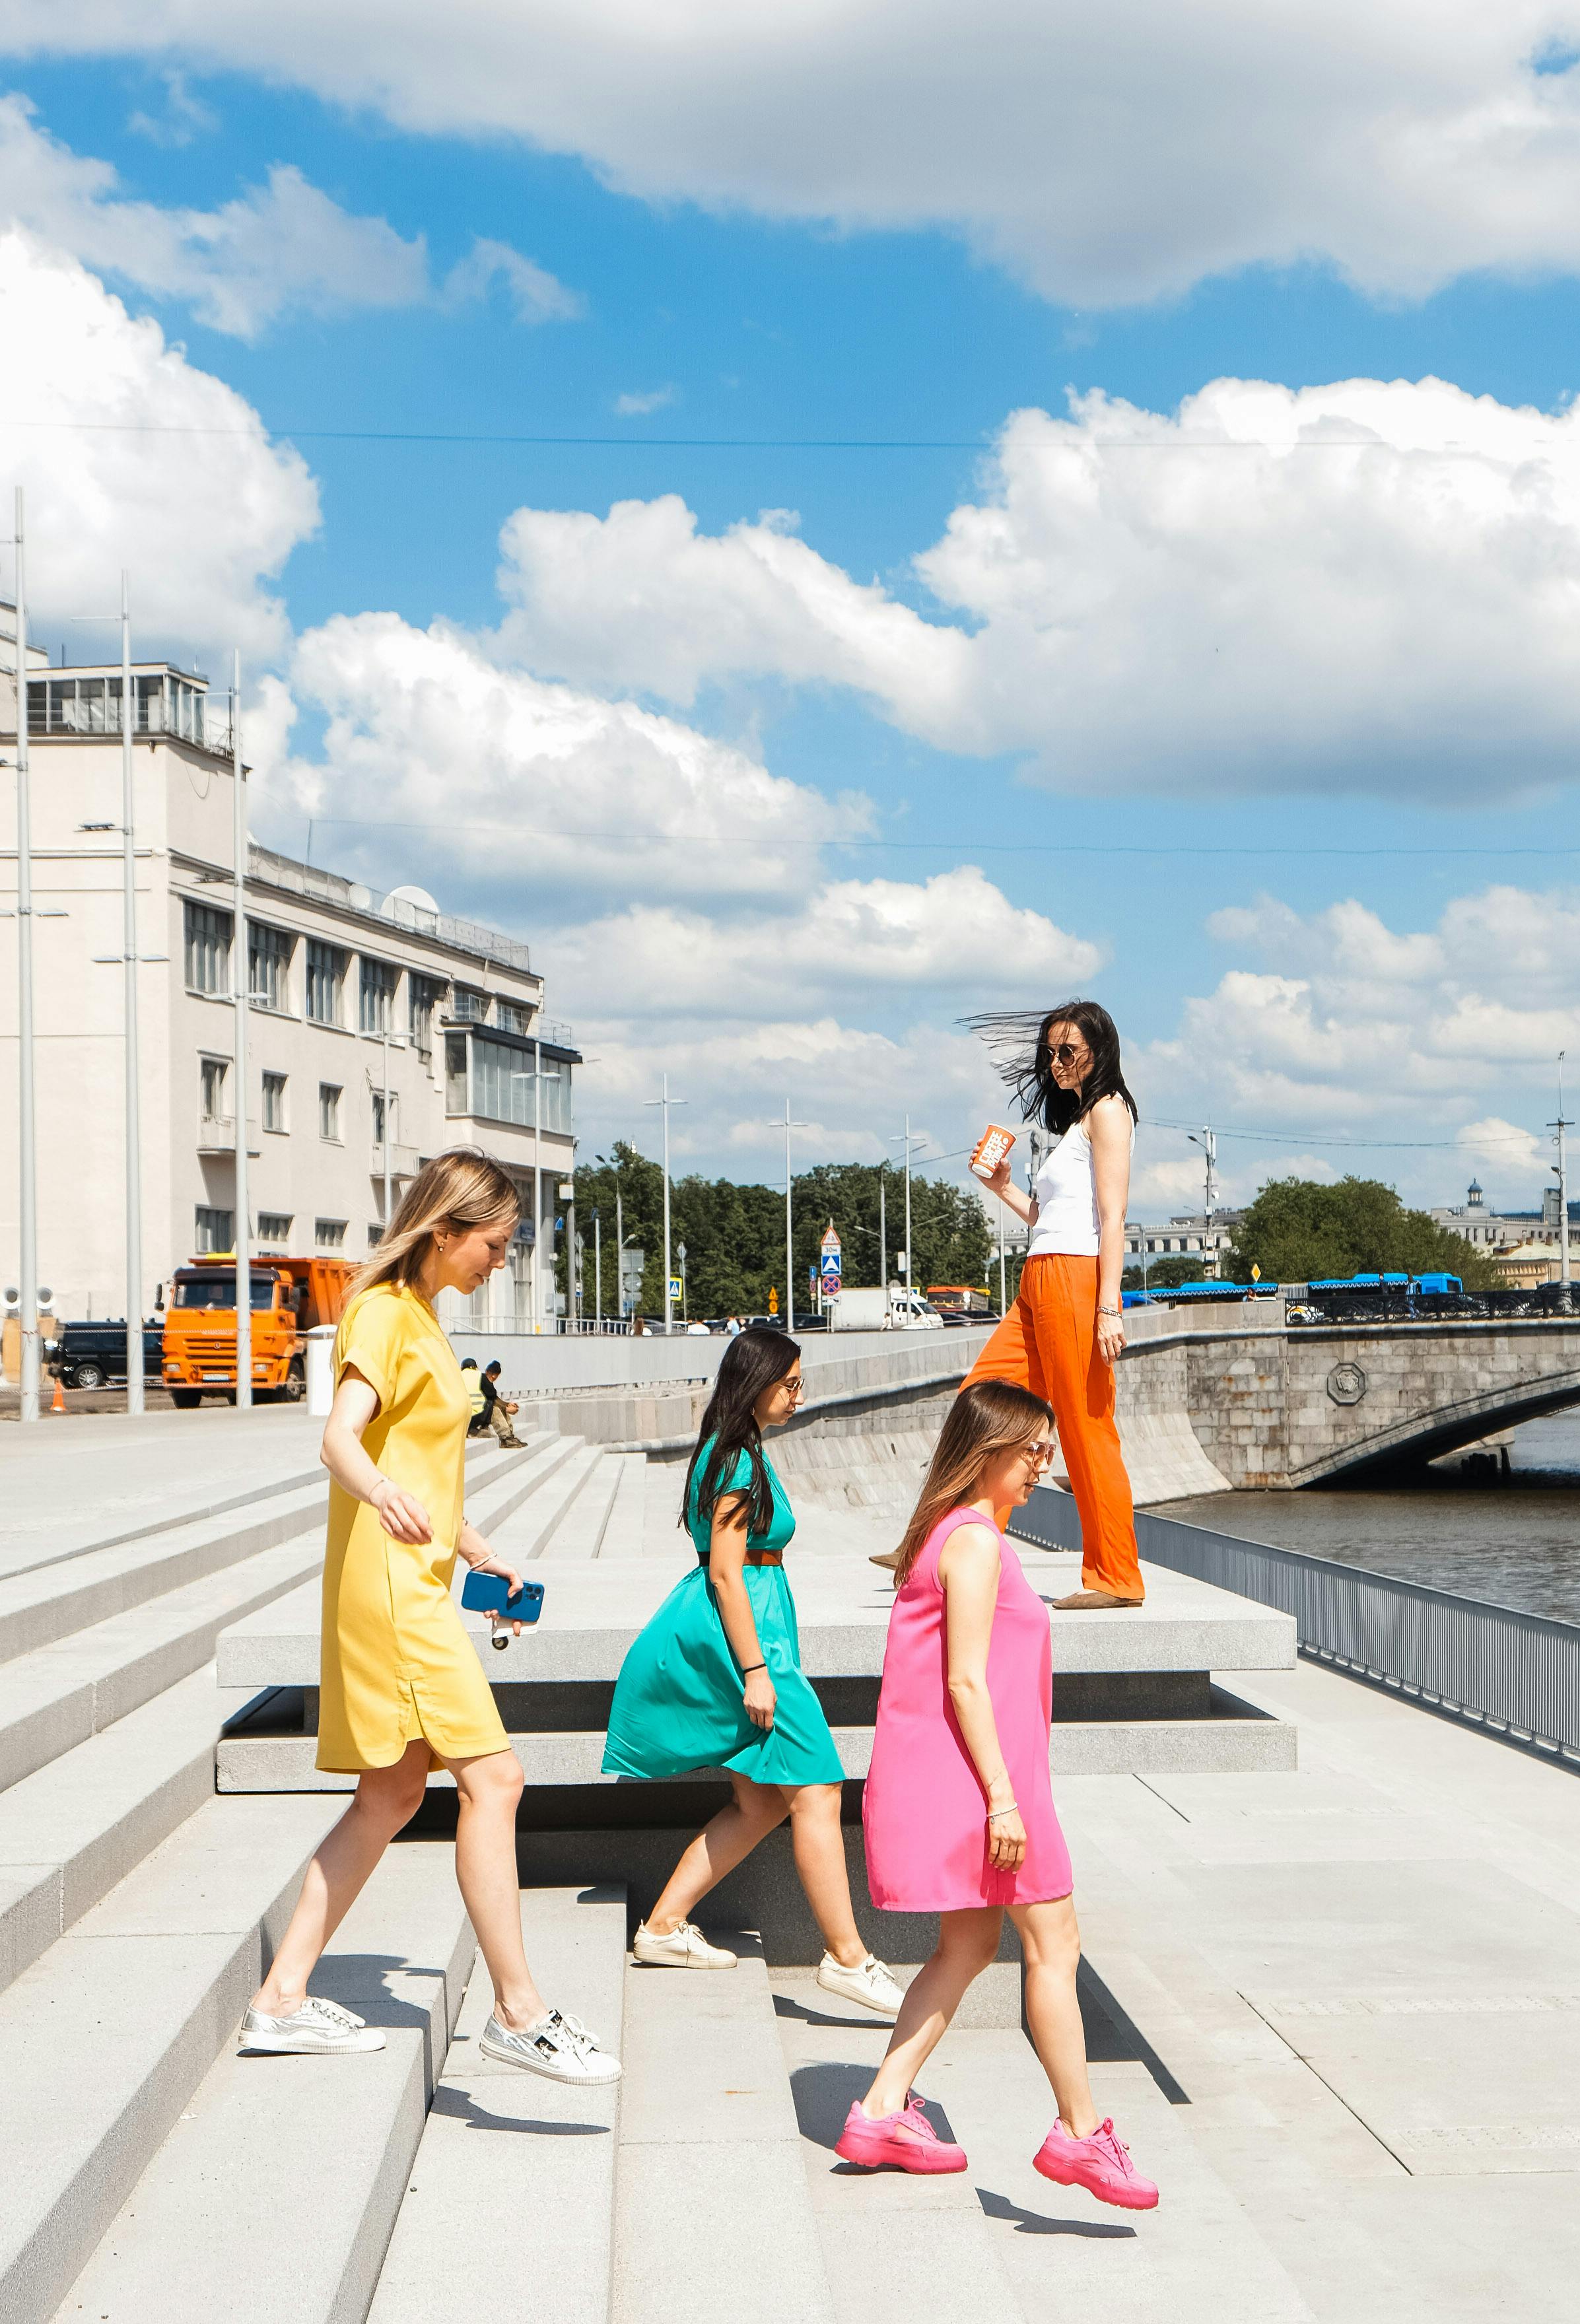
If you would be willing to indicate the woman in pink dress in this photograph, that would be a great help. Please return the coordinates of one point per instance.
(958, 1808)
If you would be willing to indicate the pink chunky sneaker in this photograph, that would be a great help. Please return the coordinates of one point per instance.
(908, 2141)
(1100, 2164)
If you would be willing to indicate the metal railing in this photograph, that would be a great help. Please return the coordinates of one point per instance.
(1511, 1672)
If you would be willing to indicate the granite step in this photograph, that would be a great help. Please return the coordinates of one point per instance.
(320, 2148)
(581, 1529)
(56, 1697)
(530, 1530)
(107, 2034)
(453, 2259)
(705, 2107)
(70, 1831)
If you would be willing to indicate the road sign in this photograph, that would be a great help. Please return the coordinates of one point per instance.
(773, 1302)
(676, 1287)
(831, 1241)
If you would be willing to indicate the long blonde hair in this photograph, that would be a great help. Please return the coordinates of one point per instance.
(462, 1188)
(987, 1417)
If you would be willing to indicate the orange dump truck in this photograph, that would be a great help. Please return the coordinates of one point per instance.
(290, 1295)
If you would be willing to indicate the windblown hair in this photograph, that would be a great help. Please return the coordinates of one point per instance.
(463, 1188)
(755, 1359)
(1018, 1039)
(987, 1417)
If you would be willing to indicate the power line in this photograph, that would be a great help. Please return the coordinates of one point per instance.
(1309, 1137)
(552, 441)
(956, 846)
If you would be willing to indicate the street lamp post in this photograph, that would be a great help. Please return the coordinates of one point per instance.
(598, 1271)
(1209, 1142)
(667, 1102)
(1561, 1171)
(26, 1116)
(908, 1141)
(790, 1248)
(685, 1309)
(241, 981)
(536, 1077)
(129, 938)
(391, 1041)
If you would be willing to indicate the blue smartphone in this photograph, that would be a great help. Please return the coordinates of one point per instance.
(489, 1593)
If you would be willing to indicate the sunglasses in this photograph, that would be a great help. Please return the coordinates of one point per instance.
(1038, 1455)
(1065, 1052)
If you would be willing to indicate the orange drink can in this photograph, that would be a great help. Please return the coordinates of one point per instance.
(991, 1150)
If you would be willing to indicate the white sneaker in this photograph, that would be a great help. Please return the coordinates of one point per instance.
(872, 1984)
(683, 1947)
(561, 2047)
(317, 2026)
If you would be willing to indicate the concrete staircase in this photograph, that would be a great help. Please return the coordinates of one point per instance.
(137, 1909)
(152, 2176)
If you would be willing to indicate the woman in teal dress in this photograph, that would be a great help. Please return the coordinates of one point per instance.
(716, 1681)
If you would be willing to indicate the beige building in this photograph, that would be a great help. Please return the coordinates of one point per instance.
(352, 995)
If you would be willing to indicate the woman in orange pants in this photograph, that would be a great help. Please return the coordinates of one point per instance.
(1063, 1335)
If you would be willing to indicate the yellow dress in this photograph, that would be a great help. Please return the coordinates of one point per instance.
(395, 1663)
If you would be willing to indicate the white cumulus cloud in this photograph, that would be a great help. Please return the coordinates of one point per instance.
(275, 248)
(1366, 585)
(131, 456)
(1103, 154)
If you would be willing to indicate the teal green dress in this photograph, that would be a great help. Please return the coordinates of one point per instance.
(678, 1699)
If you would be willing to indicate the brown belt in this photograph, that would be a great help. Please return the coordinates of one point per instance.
(753, 1557)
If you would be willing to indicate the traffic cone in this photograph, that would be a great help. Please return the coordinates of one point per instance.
(58, 1403)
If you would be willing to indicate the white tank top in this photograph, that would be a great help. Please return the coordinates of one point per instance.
(1067, 1199)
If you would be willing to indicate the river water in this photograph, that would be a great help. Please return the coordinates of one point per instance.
(1515, 1542)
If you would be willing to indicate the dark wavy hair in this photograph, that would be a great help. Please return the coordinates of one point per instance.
(1017, 1039)
(756, 1360)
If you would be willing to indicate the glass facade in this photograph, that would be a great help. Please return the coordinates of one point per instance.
(208, 948)
(497, 1083)
(92, 705)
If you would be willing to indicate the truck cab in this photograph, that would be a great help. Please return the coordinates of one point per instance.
(288, 1297)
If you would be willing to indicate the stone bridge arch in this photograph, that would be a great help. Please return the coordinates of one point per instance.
(1269, 1405)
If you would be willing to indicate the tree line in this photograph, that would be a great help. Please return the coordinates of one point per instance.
(733, 1234)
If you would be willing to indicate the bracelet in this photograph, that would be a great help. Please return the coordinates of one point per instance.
(1110, 1310)
(750, 1667)
(1012, 1810)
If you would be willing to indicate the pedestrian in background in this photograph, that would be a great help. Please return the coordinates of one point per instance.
(716, 1681)
(958, 1808)
(1065, 1329)
(401, 1688)
(477, 1402)
(497, 1413)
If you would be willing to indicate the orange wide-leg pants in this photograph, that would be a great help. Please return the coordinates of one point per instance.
(1047, 1343)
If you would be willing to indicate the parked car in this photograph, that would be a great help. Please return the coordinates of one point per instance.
(94, 1355)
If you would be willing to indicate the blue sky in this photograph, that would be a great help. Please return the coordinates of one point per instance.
(757, 326)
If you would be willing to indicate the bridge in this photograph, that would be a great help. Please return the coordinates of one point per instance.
(1255, 1402)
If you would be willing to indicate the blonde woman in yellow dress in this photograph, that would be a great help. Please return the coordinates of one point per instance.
(401, 1686)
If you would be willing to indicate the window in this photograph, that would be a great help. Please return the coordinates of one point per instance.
(328, 1234)
(375, 1234)
(208, 949)
(268, 954)
(326, 969)
(378, 996)
(274, 1230)
(472, 1006)
(213, 1230)
(329, 1111)
(378, 1117)
(510, 1017)
(219, 1290)
(274, 1103)
(556, 1098)
(213, 1073)
(423, 995)
(455, 1073)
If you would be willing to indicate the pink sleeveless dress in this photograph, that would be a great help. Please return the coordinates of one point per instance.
(924, 1809)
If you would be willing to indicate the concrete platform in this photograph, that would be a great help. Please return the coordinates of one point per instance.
(592, 1612)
